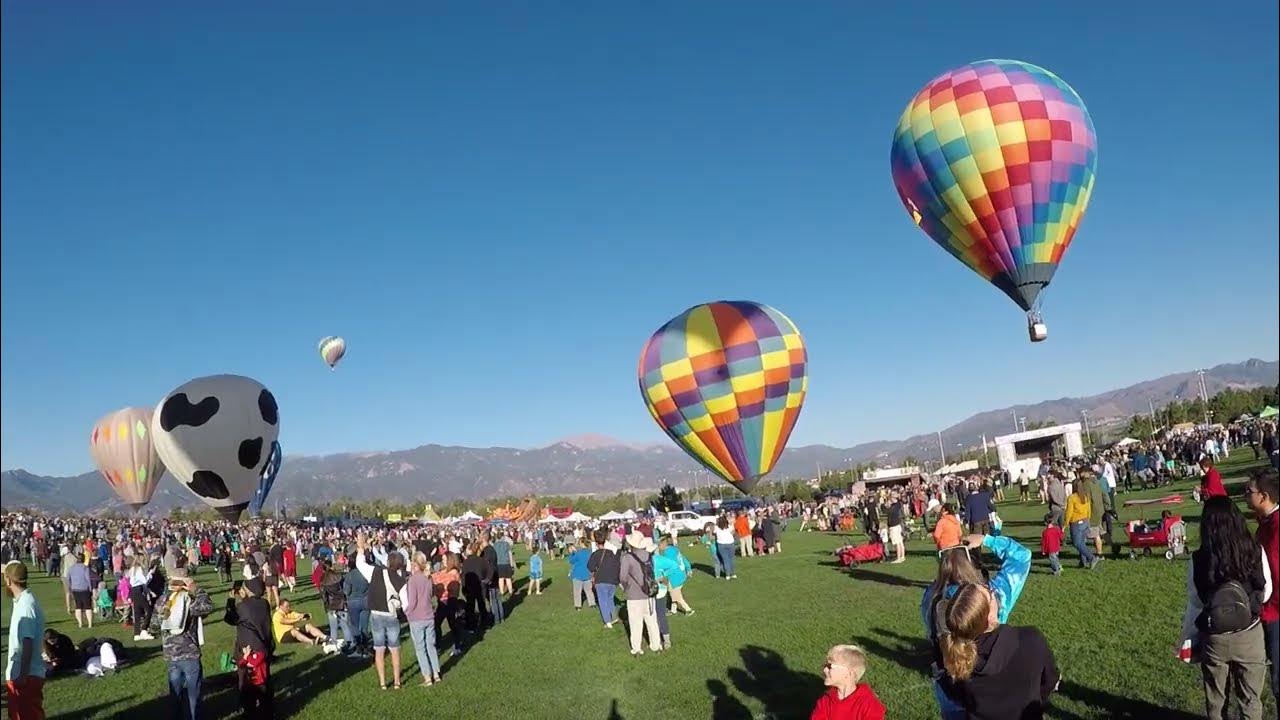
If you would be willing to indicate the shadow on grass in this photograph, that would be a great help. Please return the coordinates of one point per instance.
(907, 651)
(859, 573)
(1117, 707)
(725, 706)
(765, 676)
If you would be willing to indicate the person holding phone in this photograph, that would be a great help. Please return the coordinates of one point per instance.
(286, 624)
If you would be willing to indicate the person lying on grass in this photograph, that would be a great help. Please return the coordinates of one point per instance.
(286, 623)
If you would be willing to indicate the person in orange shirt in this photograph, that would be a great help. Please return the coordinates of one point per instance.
(742, 528)
(947, 533)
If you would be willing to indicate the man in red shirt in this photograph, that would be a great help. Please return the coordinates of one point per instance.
(1262, 495)
(1211, 485)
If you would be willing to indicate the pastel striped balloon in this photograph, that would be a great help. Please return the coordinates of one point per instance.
(121, 446)
(995, 161)
(332, 349)
(726, 381)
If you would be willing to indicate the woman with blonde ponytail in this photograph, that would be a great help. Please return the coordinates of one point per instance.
(993, 671)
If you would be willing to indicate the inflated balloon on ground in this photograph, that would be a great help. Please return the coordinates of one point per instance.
(215, 435)
(122, 448)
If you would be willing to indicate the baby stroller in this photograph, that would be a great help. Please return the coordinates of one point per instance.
(1170, 532)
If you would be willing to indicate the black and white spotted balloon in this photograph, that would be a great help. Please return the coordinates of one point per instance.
(215, 434)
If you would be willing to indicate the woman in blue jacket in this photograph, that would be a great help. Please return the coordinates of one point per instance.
(957, 565)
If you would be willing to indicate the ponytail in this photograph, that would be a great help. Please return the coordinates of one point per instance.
(966, 617)
(959, 655)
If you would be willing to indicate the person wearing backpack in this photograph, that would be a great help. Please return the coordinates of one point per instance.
(1262, 495)
(640, 588)
(1228, 582)
(182, 632)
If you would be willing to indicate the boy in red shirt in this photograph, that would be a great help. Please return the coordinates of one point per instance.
(1211, 485)
(847, 698)
(1051, 543)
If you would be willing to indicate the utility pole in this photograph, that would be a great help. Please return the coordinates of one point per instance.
(1024, 423)
(942, 453)
(1152, 407)
(1204, 396)
(1015, 421)
(1088, 438)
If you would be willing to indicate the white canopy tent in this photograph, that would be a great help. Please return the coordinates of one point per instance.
(1126, 442)
(612, 515)
(629, 515)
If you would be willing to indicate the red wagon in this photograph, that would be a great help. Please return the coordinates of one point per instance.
(1169, 532)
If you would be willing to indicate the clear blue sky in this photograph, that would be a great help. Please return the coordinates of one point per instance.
(497, 203)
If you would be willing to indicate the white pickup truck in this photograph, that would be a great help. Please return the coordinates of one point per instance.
(684, 522)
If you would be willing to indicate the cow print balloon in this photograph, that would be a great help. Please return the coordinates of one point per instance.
(211, 433)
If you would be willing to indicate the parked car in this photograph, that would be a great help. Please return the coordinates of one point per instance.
(684, 521)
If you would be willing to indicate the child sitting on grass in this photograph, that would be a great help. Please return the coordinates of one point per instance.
(1051, 543)
(848, 698)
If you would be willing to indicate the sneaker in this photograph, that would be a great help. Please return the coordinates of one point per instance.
(137, 638)
(146, 635)
(1095, 562)
(689, 612)
(635, 653)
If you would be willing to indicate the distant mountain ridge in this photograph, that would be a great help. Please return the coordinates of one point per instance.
(593, 463)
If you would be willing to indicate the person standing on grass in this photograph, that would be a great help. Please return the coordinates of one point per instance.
(421, 617)
(580, 576)
(1228, 583)
(636, 577)
(957, 566)
(183, 635)
(1211, 485)
(496, 608)
(504, 552)
(947, 532)
(1051, 543)
(1077, 519)
(78, 582)
(1263, 494)
(1097, 510)
(140, 597)
(672, 565)
(978, 508)
(386, 604)
(24, 671)
(254, 647)
(605, 566)
(896, 512)
(742, 528)
(1057, 494)
(724, 545)
(708, 540)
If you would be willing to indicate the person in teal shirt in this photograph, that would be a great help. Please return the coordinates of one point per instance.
(535, 574)
(581, 576)
(24, 672)
(670, 563)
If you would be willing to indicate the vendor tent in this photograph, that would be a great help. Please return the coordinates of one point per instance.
(1127, 442)
(1269, 411)
(612, 515)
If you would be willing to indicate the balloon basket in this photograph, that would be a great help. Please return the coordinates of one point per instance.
(1037, 331)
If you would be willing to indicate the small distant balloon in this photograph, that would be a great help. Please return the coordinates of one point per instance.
(726, 381)
(122, 448)
(332, 349)
(215, 434)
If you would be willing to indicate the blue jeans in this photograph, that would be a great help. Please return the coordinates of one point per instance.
(726, 557)
(495, 605)
(423, 635)
(604, 598)
(1054, 565)
(715, 558)
(1079, 530)
(340, 626)
(385, 629)
(184, 688)
(358, 615)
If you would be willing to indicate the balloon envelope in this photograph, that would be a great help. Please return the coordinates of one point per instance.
(332, 349)
(121, 446)
(995, 161)
(215, 435)
(267, 480)
(726, 381)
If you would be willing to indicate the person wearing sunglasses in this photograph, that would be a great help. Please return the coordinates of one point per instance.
(1262, 496)
(847, 697)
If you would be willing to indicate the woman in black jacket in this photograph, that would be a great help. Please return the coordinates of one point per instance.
(994, 671)
(1227, 583)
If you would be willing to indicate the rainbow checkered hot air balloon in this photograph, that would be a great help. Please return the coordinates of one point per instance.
(995, 161)
(121, 446)
(726, 381)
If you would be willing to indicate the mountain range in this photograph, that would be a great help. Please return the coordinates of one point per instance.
(598, 464)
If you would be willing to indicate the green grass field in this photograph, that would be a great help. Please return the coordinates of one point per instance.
(753, 650)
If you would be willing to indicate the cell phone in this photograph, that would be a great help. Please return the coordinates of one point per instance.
(236, 585)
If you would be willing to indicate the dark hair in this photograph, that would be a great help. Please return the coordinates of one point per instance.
(1225, 543)
(1048, 518)
(1266, 482)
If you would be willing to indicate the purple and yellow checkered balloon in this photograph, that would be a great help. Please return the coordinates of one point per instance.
(726, 381)
(995, 161)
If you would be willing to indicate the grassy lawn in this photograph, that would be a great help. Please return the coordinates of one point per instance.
(753, 650)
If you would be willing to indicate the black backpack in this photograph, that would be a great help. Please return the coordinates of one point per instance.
(1228, 610)
(649, 583)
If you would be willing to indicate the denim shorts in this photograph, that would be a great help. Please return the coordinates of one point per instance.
(385, 630)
